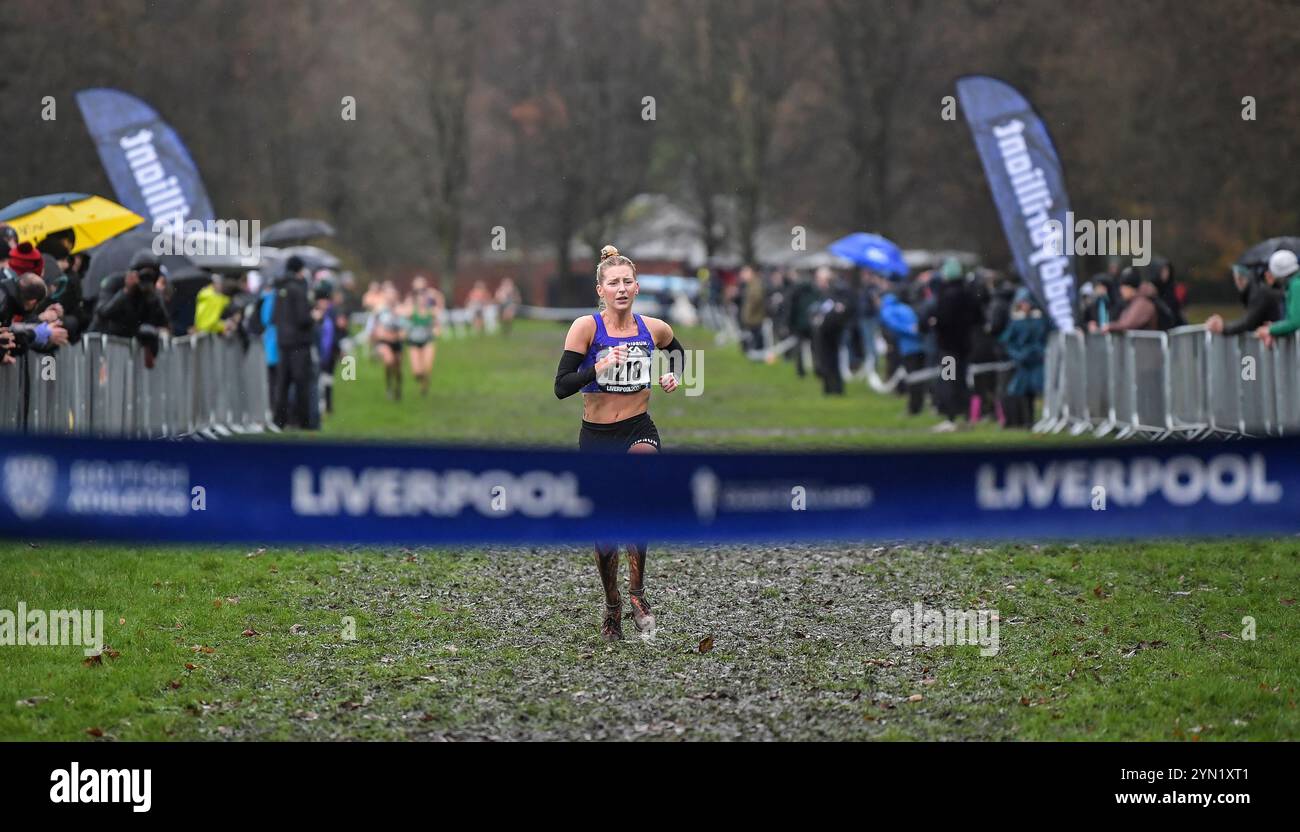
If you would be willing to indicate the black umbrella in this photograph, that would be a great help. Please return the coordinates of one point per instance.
(114, 256)
(312, 257)
(297, 230)
(1259, 253)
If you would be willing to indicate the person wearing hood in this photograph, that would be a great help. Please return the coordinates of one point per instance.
(294, 329)
(210, 307)
(128, 302)
(1139, 309)
(1167, 290)
(1263, 303)
(131, 305)
(957, 312)
(1282, 266)
(1025, 341)
(900, 321)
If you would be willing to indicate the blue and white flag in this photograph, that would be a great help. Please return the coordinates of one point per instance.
(151, 171)
(1028, 186)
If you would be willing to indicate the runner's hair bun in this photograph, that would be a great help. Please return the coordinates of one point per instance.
(608, 252)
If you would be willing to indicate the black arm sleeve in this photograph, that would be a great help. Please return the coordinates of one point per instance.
(1258, 312)
(676, 355)
(568, 378)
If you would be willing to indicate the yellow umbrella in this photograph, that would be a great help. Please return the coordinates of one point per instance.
(93, 218)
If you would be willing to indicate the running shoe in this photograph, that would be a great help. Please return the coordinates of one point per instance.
(611, 629)
(641, 615)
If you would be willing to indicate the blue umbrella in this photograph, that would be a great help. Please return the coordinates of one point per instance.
(871, 251)
(32, 204)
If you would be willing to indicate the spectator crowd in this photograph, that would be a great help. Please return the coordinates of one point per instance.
(928, 329)
(299, 316)
(921, 333)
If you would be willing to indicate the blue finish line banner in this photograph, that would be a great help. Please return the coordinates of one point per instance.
(381, 493)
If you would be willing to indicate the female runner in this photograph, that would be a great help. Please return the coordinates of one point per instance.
(421, 312)
(607, 358)
(387, 334)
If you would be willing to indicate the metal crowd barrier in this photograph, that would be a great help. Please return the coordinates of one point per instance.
(1187, 382)
(199, 385)
(1053, 418)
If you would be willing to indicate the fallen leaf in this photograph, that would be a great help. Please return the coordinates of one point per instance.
(174, 684)
(706, 644)
(189, 666)
(95, 732)
(250, 632)
(1287, 602)
(916, 697)
(91, 661)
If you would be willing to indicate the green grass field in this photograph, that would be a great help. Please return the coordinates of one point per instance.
(785, 641)
(498, 390)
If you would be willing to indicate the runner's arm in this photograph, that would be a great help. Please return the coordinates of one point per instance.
(568, 378)
(665, 340)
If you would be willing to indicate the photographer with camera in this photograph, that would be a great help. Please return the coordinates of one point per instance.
(20, 324)
(130, 305)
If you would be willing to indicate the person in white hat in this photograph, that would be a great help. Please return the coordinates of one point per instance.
(1283, 268)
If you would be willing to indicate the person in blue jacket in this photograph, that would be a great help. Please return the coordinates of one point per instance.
(270, 346)
(901, 322)
(1025, 340)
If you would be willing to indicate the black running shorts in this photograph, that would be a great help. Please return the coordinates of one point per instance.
(618, 437)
